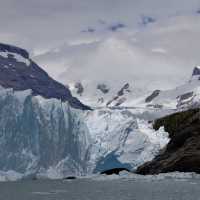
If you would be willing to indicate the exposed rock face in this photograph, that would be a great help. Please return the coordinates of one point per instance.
(183, 151)
(19, 72)
(186, 100)
(152, 96)
(13, 49)
(80, 88)
(123, 89)
(196, 71)
(119, 99)
(103, 88)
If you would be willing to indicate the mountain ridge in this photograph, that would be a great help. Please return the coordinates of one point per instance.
(19, 72)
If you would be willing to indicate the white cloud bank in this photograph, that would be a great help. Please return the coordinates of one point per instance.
(160, 54)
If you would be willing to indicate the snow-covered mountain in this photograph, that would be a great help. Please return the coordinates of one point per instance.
(19, 72)
(182, 97)
(46, 132)
(110, 71)
(107, 94)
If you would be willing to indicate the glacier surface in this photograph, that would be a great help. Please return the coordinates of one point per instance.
(37, 133)
(47, 138)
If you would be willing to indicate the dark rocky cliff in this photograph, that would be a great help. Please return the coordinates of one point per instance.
(183, 151)
(19, 72)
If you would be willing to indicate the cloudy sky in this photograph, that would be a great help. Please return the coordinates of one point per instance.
(107, 39)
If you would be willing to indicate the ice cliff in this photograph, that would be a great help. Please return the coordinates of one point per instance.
(49, 138)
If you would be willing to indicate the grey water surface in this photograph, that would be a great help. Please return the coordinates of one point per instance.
(88, 189)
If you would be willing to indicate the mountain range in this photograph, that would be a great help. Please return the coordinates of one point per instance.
(45, 130)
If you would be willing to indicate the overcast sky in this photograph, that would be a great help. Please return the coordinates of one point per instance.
(36, 23)
(159, 37)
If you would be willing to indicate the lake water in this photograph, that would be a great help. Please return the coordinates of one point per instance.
(90, 189)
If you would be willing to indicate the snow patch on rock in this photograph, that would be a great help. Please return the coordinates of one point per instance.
(17, 57)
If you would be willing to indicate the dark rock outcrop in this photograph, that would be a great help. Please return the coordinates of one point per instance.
(123, 89)
(19, 72)
(183, 151)
(185, 100)
(118, 101)
(196, 71)
(103, 88)
(14, 49)
(152, 96)
(114, 171)
(79, 88)
(70, 178)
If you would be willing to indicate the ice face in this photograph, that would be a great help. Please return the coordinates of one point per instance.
(121, 139)
(37, 133)
(48, 138)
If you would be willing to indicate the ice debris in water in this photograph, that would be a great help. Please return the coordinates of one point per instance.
(132, 176)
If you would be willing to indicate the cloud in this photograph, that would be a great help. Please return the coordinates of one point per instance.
(35, 23)
(51, 30)
(160, 56)
(159, 50)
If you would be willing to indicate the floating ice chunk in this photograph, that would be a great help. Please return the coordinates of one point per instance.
(179, 176)
(10, 176)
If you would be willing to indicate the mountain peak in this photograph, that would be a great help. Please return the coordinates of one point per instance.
(14, 49)
(196, 71)
(19, 72)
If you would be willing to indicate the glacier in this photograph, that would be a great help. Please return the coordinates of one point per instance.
(37, 133)
(122, 139)
(48, 138)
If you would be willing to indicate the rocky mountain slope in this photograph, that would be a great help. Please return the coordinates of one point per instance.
(109, 94)
(183, 151)
(19, 72)
(182, 97)
(103, 94)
